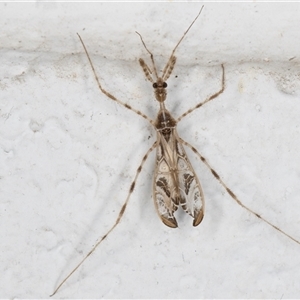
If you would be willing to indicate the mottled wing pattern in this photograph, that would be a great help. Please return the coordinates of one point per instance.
(164, 187)
(175, 182)
(192, 196)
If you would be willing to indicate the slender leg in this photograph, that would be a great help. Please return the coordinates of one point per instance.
(172, 57)
(107, 93)
(208, 99)
(121, 213)
(233, 196)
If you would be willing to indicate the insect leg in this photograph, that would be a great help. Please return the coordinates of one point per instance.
(109, 95)
(233, 196)
(121, 213)
(215, 95)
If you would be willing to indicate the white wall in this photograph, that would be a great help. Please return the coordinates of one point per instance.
(68, 154)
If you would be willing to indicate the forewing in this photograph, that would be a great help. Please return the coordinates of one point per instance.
(165, 195)
(191, 193)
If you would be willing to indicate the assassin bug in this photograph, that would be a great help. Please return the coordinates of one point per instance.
(175, 182)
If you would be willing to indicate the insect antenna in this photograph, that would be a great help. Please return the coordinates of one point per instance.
(152, 59)
(172, 60)
(109, 95)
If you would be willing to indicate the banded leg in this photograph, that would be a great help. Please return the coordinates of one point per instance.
(233, 196)
(107, 93)
(215, 95)
(121, 213)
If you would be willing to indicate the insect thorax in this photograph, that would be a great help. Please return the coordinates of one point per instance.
(165, 123)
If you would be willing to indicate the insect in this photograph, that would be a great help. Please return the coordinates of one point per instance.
(175, 182)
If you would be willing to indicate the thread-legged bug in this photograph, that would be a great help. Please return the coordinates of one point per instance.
(175, 182)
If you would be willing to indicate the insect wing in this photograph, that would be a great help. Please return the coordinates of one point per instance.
(175, 182)
(165, 187)
(192, 196)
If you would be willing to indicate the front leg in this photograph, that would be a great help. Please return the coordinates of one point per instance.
(209, 98)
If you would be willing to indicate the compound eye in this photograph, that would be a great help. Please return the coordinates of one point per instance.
(155, 85)
(165, 85)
